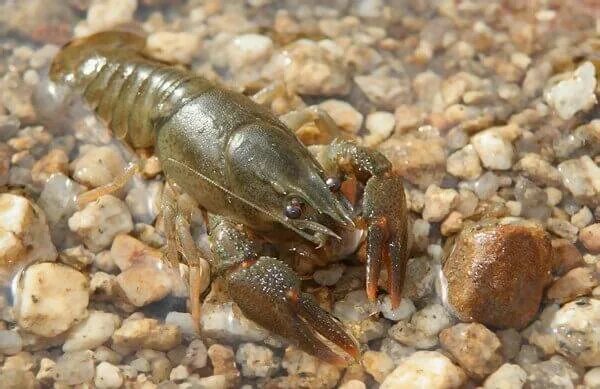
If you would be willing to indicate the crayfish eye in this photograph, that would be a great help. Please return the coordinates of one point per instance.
(294, 209)
(334, 184)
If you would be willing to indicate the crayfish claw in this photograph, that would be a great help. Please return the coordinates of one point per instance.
(387, 234)
(268, 293)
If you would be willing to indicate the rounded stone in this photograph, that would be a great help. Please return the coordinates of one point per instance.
(495, 274)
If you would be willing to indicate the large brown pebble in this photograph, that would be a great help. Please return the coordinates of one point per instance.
(496, 273)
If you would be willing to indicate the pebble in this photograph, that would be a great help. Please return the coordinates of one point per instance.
(590, 237)
(476, 349)
(421, 161)
(464, 163)
(46, 374)
(508, 376)
(425, 369)
(248, 50)
(438, 203)
(104, 15)
(355, 306)
(173, 47)
(330, 275)
(129, 252)
(383, 90)
(195, 355)
(556, 372)
(256, 361)
(452, 224)
(179, 373)
(56, 161)
(308, 369)
(380, 125)
(223, 362)
(10, 342)
(377, 364)
(495, 150)
(582, 177)
(538, 170)
(24, 233)
(591, 379)
(185, 322)
(53, 298)
(100, 221)
(576, 329)
(566, 256)
(108, 376)
(582, 218)
(423, 329)
(97, 166)
(74, 368)
(213, 382)
(143, 201)
(577, 282)
(404, 311)
(516, 255)
(17, 379)
(146, 333)
(574, 93)
(144, 284)
(92, 332)
(353, 384)
(343, 114)
(511, 342)
(310, 69)
(562, 228)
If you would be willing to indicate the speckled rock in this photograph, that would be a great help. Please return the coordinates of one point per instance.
(223, 361)
(136, 334)
(100, 221)
(425, 369)
(475, 348)
(518, 259)
(555, 373)
(576, 330)
(97, 166)
(306, 370)
(256, 361)
(53, 298)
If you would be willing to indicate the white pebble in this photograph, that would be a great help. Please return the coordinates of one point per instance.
(355, 307)
(75, 368)
(343, 114)
(574, 94)
(248, 49)
(108, 376)
(144, 284)
(174, 47)
(53, 297)
(404, 311)
(495, 151)
(256, 361)
(184, 321)
(96, 329)
(508, 376)
(98, 166)
(425, 369)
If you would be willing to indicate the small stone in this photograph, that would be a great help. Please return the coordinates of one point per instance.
(173, 47)
(355, 306)
(407, 117)
(582, 218)
(108, 376)
(143, 201)
(575, 93)
(562, 228)
(343, 114)
(75, 368)
(590, 237)
(380, 125)
(566, 255)
(56, 161)
(477, 349)
(142, 285)
(223, 361)
(160, 369)
(464, 163)
(423, 329)
(10, 342)
(508, 376)
(511, 343)
(576, 329)
(53, 298)
(420, 161)
(577, 282)
(185, 322)
(256, 361)
(248, 50)
(425, 369)
(591, 379)
(213, 382)
(515, 256)
(554, 196)
(104, 15)
(495, 150)
(96, 329)
(353, 384)
(105, 354)
(452, 224)
(98, 166)
(17, 379)
(128, 252)
(556, 372)
(146, 333)
(47, 372)
(196, 355)
(582, 177)
(330, 275)
(538, 170)
(404, 311)
(385, 90)
(377, 364)
(100, 221)
(314, 372)
(438, 203)
(179, 373)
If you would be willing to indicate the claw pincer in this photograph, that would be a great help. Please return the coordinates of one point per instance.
(252, 175)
